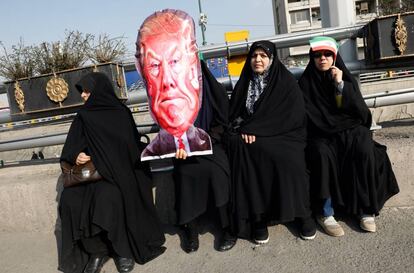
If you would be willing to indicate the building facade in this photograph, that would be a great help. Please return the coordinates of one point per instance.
(304, 15)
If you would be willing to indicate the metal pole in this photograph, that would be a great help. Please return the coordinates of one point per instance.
(202, 22)
(56, 139)
(133, 98)
(339, 13)
(281, 41)
(402, 96)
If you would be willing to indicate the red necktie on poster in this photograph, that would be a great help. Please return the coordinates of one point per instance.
(181, 144)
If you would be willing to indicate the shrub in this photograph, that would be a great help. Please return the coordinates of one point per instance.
(70, 53)
(18, 63)
(107, 49)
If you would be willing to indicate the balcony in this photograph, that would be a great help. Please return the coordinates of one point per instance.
(302, 4)
(298, 5)
(365, 18)
(305, 25)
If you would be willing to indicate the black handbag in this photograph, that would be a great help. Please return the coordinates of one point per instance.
(79, 174)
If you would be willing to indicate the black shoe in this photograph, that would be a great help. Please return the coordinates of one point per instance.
(95, 263)
(124, 265)
(261, 235)
(228, 242)
(191, 242)
(307, 228)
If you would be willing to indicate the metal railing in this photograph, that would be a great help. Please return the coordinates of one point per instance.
(57, 139)
(281, 41)
(374, 100)
(385, 75)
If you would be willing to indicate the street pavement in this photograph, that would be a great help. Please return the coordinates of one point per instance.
(391, 249)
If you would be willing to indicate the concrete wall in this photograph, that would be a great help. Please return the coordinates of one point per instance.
(28, 194)
(386, 85)
(28, 197)
(387, 113)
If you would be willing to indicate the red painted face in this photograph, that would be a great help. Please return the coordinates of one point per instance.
(172, 75)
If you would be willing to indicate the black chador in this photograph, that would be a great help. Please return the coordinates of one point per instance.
(346, 164)
(119, 208)
(199, 177)
(269, 178)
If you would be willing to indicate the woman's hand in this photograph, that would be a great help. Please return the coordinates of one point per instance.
(249, 139)
(336, 74)
(181, 154)
(82, 158)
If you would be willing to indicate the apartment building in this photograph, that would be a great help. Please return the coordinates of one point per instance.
(304, 15)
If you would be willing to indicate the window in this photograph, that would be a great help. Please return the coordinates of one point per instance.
(365, 7)
(299, 16)
(316, 14)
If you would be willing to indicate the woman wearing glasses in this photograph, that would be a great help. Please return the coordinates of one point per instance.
(348, 170)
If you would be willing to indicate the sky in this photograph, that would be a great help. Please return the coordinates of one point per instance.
(46, 20)
(39, 21)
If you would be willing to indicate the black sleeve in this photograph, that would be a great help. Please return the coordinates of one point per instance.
(354, 104)
(75, 142)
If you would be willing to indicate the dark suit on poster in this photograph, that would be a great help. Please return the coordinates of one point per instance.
(163, 146)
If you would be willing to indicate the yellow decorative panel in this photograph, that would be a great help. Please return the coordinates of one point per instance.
(235, 64)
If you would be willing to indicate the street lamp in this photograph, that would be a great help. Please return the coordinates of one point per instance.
(202, 22)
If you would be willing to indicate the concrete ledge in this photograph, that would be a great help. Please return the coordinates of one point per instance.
(28, 197)
(28, 194)
(401, 155)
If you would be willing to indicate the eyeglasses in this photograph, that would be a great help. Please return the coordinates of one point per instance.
(319, 54)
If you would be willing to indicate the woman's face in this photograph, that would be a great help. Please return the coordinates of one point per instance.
(323, 59)
(85, 95)
(259, 61)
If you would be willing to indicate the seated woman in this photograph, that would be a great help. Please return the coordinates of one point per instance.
(114, 216)
(267, 148)
(200, 179)
(349, 170)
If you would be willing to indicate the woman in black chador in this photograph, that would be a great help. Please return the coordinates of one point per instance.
(114, 216)
(200, 179)
(349, 170)
(266, 147)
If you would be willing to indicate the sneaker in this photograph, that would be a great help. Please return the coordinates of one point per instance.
(367, 223)
(261, 236)
(331, 226)
(307, 228)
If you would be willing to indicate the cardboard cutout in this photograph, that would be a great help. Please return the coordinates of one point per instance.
(167, 59)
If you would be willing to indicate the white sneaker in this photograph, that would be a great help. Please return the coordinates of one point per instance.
(261, 236)
(367, 223)
(331, 226)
